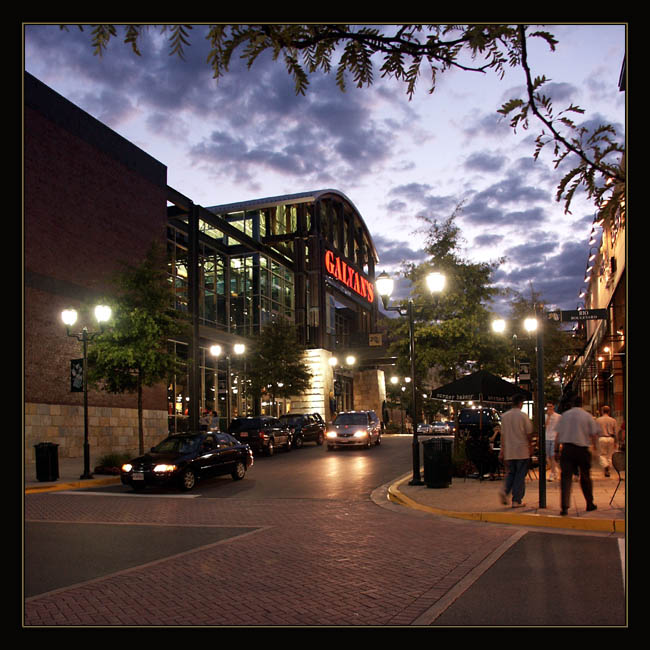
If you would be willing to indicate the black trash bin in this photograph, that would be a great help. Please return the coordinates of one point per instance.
(437, 462)
(47, 461)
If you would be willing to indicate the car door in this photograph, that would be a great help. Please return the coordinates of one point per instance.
(228, 453)
(208, 456)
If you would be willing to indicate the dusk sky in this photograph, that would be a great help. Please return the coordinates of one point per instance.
(249, 136)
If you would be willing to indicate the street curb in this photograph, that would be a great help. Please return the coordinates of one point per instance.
(518, 519)
(72, 485)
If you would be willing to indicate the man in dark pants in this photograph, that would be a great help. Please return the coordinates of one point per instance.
(576, 432)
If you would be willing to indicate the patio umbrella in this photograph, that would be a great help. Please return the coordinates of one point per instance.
(481, 386)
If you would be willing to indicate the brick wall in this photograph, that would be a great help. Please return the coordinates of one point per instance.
(92, 202)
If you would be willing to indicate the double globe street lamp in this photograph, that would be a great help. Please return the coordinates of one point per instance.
(385, 284)
(532, 325)
(217, 352)
(69, 318)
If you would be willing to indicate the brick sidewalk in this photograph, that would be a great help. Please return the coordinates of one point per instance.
(310, 562)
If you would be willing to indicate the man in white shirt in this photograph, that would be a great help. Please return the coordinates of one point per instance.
(516, 429)
(607, 439)
(576, 432)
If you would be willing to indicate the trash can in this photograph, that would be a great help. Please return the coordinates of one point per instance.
(47, 461)
(437, 462)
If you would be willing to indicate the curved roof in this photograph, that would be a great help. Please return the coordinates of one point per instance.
(300, 197)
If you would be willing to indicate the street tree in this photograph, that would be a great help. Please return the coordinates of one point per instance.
(452, 329)
(276, 366)
(559, 344)
(592, 157)
(134, 352)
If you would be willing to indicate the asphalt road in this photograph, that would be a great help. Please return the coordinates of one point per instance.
(301, 528)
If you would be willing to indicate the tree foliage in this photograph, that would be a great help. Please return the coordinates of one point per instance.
(405, 53)
(452, 330)
(276, 367)
(134, 351)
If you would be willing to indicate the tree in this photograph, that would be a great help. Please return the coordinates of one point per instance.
(134, 352)
(276, 367)
(558, 343)
(306, 49)
(452, 330)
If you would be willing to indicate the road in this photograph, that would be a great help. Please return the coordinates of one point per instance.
(300, 541)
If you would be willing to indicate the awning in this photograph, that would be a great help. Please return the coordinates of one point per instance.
(481, 386)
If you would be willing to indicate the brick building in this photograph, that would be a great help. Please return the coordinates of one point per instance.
(93, 200)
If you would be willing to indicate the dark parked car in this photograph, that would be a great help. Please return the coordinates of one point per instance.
(479, 423)
(187, 458)
(307, 427)
(262, 433)
(354, 428)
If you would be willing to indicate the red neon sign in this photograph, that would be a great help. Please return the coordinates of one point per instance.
(352, 279)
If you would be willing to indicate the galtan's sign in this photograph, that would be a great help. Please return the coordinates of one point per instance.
(351, 278)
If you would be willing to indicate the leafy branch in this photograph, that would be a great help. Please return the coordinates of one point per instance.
(603, 181)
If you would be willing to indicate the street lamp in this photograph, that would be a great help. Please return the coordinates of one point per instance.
(216, 351)
(69, 318)
(532, 325)
(435, 283)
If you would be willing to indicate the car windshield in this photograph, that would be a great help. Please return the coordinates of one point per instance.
(472, 416)
(291, 419)
(178, 444)
(245, 423)
(351, 418)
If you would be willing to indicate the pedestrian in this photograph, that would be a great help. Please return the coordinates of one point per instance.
(214, 421)
(203, 421)
(576, 432)
(550, 428)
(607, 439)
(516, 429)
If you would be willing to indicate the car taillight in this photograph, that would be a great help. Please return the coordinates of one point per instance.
(262, 434)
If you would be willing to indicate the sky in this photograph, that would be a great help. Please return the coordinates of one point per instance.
(250, 136)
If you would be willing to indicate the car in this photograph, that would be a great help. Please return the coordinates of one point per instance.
(305, 427)
(441, 428)
(263, 433)
(184, 459)
(354, 428)
(478, 423)
(424, 428)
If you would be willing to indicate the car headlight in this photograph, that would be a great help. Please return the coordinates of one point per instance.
(331, 434)
(164, 468)
(127, 467)
(360, 434)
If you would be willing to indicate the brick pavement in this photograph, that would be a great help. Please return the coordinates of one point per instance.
(305, 563)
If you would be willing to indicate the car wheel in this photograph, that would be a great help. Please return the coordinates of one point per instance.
(270, 448)
(239, 472)
(289, 445)
(378, 440)
(188, 479)
(320, 439)
(297, 442)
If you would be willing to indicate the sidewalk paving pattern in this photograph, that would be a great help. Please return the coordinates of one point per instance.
(305, 562)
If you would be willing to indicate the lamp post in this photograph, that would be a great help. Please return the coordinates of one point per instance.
(533, 325)
(69, 318)
(435, 283)
(216, 351)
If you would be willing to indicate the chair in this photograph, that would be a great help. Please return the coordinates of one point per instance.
(618, 463)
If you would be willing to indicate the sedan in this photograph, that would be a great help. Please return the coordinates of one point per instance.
(354, 428)
(185, 459)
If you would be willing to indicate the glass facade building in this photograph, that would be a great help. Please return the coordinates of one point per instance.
(305, 257)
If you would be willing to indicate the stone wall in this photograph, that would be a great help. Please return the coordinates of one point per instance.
(110, 430)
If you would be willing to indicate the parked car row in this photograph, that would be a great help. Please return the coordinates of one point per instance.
(185, 459)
